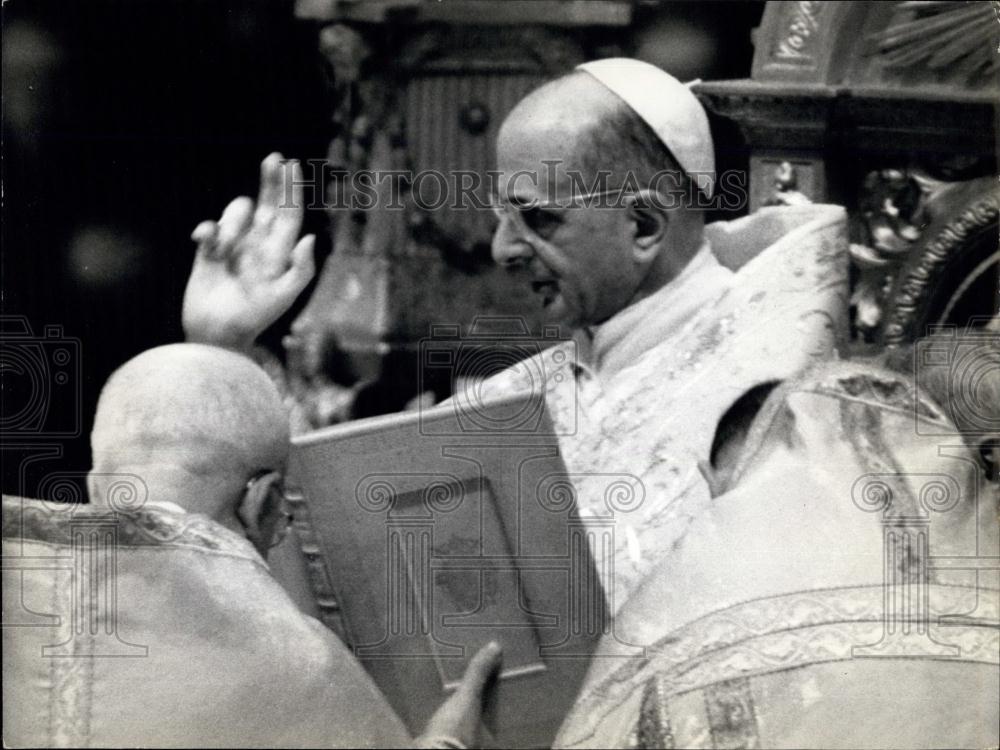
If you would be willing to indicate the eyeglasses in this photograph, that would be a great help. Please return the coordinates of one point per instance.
(541, 219)
(276, 503)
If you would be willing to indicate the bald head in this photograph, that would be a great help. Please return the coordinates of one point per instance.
(565, 121)
(570, 105)
(580, 121)
(193, 422)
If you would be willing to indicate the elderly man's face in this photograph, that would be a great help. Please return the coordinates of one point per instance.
(577, 260)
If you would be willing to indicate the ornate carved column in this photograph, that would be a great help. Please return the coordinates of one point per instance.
(881, 107)
(418, 90)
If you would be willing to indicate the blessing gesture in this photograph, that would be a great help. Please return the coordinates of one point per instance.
(250, 265)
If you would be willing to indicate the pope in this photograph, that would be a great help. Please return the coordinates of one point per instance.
(673, 320)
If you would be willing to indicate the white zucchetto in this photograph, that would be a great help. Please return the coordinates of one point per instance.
(668, 107)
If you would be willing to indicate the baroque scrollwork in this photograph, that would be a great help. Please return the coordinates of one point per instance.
(340, 336)
(914, 284)
(786, 187)
(957, 39)
(892, 209)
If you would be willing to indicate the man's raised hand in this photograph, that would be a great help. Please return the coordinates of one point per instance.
(249, 268)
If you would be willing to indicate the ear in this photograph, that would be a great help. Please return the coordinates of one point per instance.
(649, 220)
(253, 507)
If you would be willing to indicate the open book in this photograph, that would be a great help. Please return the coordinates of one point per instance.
(447, 528)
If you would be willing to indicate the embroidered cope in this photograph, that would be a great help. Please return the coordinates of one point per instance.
(636, 400)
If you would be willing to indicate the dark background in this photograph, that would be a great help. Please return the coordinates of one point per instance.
(126, 122)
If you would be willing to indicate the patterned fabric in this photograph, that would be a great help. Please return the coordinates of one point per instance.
(775, 634)
(148, 627)
(653, 727)
(844, 592)
(637, 401)
(59, 523)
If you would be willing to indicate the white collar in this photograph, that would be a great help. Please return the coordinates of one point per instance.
(164, 505)
(619, 341)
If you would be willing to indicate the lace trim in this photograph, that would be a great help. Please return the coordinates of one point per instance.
(790, 631)
(56, 523)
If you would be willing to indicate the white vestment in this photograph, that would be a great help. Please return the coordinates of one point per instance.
(636, 400)
(842, 593)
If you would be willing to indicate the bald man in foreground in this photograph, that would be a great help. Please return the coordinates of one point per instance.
(197, 645)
